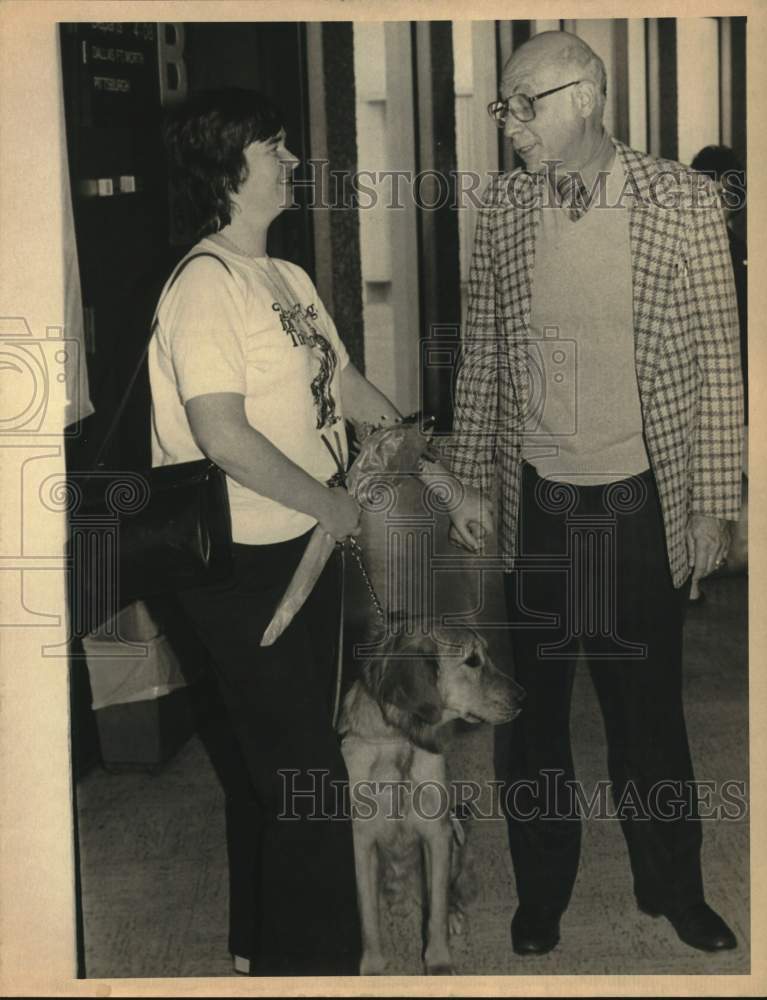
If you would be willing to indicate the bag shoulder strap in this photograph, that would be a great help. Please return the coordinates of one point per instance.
(139, 365)
(179, 271)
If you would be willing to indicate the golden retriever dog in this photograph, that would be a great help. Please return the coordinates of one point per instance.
(391, 723)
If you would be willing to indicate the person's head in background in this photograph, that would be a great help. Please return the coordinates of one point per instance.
(722, 165)
(228, 160)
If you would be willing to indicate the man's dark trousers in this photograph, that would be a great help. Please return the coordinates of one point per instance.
(594, 560)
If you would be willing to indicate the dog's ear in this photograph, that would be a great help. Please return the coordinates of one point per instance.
(409, 682)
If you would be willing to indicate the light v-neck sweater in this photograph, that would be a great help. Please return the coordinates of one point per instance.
(584, 416)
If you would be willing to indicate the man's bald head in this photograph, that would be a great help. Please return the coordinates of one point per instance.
(567, 80)
(553, 57)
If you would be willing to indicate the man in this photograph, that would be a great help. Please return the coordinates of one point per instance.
(600, 390)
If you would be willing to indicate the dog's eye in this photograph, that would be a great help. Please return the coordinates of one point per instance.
(473, 661)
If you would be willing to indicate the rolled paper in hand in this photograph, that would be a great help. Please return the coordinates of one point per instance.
(313, 561)
(395, 451)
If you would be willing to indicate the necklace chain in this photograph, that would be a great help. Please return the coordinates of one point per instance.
(279, 285)
(237, 247)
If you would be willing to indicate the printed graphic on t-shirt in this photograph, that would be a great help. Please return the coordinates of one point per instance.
(297, 322)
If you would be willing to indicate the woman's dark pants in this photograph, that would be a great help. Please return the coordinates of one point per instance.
(293, 905)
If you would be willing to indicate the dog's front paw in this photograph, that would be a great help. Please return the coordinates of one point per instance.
(437, 960)
(373, 964)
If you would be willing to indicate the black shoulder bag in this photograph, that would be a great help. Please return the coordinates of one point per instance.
(138, 534)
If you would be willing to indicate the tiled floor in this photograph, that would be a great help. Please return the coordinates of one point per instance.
(154, 868)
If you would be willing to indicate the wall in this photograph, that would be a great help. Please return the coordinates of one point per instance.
(37, 915)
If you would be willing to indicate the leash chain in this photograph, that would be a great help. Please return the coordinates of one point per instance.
(356, 551)
(339, 479)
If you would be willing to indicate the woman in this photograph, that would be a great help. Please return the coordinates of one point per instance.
(247, 368)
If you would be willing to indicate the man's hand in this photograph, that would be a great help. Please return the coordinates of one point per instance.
(708, 539)
(472, 521)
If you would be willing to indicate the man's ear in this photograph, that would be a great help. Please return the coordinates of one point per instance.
(586, 97)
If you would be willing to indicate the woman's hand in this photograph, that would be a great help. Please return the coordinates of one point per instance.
(222, 432)
(342, 516)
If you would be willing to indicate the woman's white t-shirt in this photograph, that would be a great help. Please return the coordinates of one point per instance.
(269, 339)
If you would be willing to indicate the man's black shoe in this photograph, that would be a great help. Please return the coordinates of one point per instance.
(535, 929)
(698, 926)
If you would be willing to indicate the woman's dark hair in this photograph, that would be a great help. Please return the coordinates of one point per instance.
(206, 138)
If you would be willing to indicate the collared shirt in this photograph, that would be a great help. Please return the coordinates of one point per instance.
(593, 174)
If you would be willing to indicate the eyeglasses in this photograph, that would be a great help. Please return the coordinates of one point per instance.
(520, 105)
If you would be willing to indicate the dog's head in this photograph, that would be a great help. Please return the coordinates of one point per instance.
(424, 680)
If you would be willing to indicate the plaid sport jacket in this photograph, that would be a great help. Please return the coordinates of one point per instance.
(686, 346)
